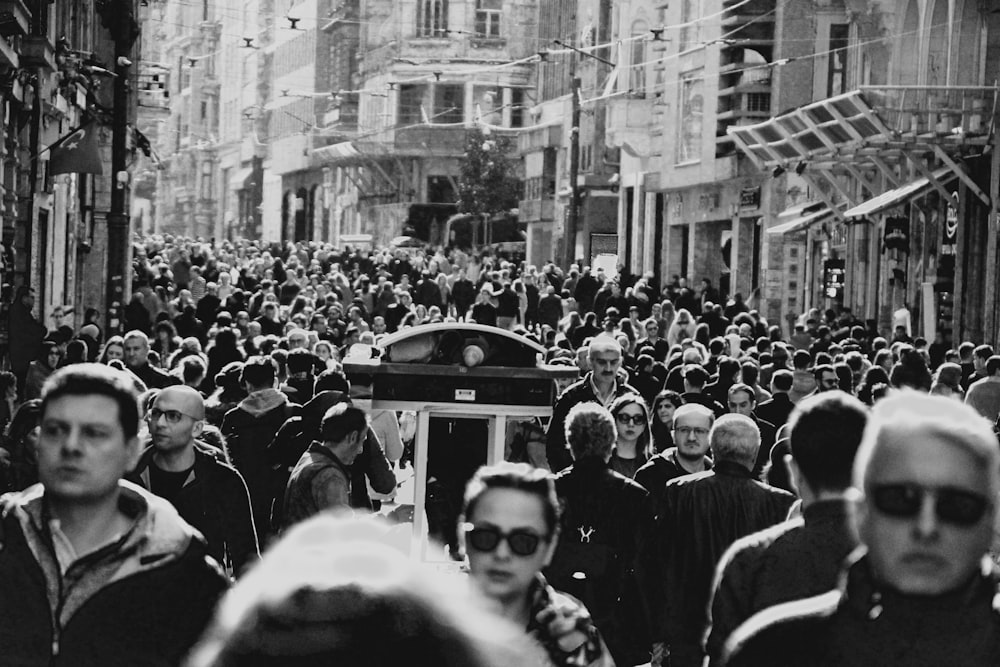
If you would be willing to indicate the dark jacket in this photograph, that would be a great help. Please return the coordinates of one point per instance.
(214, 499)
(706, 400)
(776, 410)
(320, 481)
(154, 378)
(699, 516)
(859, 623)
(796, 559)
(605, 517)
(555, 438)
(662, 468)
(143, 601)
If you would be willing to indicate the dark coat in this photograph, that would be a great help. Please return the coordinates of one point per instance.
(214, 499)
(608, 515)
(862, 624)
(796, 559)
(662, 468)
(699, 516)
(776, 410)
(155, 378)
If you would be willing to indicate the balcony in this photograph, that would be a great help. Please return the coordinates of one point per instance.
(14, 18)
(38, 51)
(429, 141)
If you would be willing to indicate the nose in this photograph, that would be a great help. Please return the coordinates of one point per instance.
(71, 445)
(925, 525)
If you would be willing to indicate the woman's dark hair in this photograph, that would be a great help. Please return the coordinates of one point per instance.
(644, 445)
(27, 416)
(226, 338)
(165, 325)
(519, 477)
(662, 438)
(703, 335)
(873, 376)
(114, 340)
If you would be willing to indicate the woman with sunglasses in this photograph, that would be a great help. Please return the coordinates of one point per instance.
(509, 529)
(633, 446)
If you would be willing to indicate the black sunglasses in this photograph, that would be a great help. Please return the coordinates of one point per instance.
(623, 418)
(487, 538)
(955, 506)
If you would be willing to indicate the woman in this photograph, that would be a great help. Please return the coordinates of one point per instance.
(874, 376)
(948, 381)
(681, 328)
(661, 429)
(522, 302)
(633, 446)
(40, 370)
(20, 440)
(165, 341)
(509, 529)
(113, 349)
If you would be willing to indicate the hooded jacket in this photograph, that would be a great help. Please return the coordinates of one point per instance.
(143, 600)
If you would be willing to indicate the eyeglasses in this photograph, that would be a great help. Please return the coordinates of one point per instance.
(487, 538)
(685, 431)
(955, 506)
(172, 416)
(623, 418)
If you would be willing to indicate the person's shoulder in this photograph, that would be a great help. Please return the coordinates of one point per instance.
(749, 547)
(782, 633)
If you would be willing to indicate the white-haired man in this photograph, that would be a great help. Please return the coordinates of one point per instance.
(921, 591)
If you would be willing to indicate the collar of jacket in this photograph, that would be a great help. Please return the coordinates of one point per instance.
(202, 461)
(732, 469)
(829, 510)
(319, 448)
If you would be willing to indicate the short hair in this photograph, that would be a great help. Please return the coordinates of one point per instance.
(993, 365)
(136, 333)
(823, 368)
(695, 375)
(590, 430)
(332, 380)
(984, 352)
(89, 379)
(735, 438)
(745, 388)
(749, 373)
(519, 477)
(193, 368)
(694, 409)
(966, 348)
(825, 431)
(801, 359)
(728, 367)
(259, 371)
(952, 421)
(782, 380)
(341, 420)
(603, 344)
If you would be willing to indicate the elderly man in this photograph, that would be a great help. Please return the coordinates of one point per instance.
(601, 385)
(699, 516)
(207, 493)
(802, 556)
(605, 515)
(137, 361)
(923, 591)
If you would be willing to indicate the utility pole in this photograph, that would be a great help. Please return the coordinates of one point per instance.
(573, 212)
(118, 17)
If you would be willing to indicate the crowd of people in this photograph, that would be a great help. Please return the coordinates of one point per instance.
(711, 490)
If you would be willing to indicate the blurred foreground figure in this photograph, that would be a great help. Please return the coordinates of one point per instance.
(921, 591)
(332, 592)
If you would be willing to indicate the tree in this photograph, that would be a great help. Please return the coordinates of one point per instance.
(488, 183)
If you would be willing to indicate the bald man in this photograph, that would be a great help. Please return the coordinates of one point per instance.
(207, 493)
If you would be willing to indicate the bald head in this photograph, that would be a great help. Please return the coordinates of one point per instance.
(182, 398)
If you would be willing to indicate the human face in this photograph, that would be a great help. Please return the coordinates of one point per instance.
(741, 403)
(502, 575)
(297, 341)
(691, 436)
(169, 435)
(626, 418)
(923, 554)
(605, 364)
(114, 352)
(351, 448)
(82, 449)
(652, 331)
(828, 381)
(53, 357)
(665, 412)
(136, 352)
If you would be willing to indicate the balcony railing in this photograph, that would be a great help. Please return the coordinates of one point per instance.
(937, 110)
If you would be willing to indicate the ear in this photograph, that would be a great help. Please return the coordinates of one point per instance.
(197, 429)
(794, 474)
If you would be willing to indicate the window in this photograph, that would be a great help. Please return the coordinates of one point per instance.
(432, 18)
(690, 14)
(836, 75)
(449, 103)
(488, 18)
(411, 97)
(691, 121)
(637, 71)
(517, 107)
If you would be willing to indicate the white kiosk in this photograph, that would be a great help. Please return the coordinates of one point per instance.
(433, 370)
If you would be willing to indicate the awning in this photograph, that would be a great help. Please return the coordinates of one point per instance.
(897, 196)
(343, 154)
(238, 181)
(800, 223)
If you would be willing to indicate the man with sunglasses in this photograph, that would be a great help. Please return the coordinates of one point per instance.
(922, 591)
(207, 493)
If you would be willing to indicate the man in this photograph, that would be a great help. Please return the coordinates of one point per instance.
(137, 361)
(922, 591)
(826, 379)
(396, 312)
(602, 385)
(804, 382)
(207, 493)
(321, 480)
(95, 570)
(980, 355)
(780, 406)
(984, 394)
(692, 424)
(779, 362)
(269, 322)
(695, 377)
(742, 400)
(550, 308)
(699, 516)
(250, 427)
(605, 516)
(803, 556)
